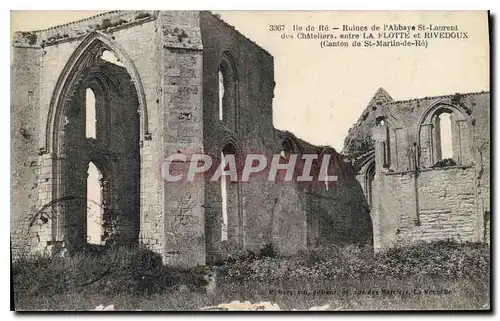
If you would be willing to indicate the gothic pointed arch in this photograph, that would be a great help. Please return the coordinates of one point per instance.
(231, 210)
(228, 91)
(385, 114)
(363, 160)
(115, 143)
(442, 105)
(428, 134)
(390, 138)
(290, 139)
(227, 61)
(366, 171)
(90, 49)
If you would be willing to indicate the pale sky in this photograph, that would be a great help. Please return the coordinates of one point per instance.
(320, 93)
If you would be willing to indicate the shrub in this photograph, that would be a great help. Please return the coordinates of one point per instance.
(268, 251)
(445, 162)
(31, 36)
(106, 23)
(442, 259)
(359, 140)
(142, 15)
(121, 270)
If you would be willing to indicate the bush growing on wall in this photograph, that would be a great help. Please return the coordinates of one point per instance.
(359, 141)
(445, 162)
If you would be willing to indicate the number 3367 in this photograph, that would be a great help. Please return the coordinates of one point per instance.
(276, 27)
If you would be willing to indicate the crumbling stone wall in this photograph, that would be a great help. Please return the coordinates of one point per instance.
(334, 212)
(414, 196)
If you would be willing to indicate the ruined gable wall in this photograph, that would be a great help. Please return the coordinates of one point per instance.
(441, 203)
(59, 43)
(137, 35)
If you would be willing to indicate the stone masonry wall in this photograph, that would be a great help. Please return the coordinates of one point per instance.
(482, 135)
(416, 201)
(182, 93)
(253, 131)
(447, 208)
(25, 169)
(289, 219)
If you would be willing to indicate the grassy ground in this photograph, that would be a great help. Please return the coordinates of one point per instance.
(458, 295)
(139, 282)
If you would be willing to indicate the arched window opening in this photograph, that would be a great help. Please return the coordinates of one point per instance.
(286, 149)
(94, 205)
(445, 137)
(221, 95)
(325, 163)
(445, 140)
(223, 189)
(90, 114)
(381, 122)
(370, 176)
(229, 197)
(227, 93)
(94, 118)
(111, 57)
(326, 178)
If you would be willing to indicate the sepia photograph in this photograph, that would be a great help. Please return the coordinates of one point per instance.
(181, 160)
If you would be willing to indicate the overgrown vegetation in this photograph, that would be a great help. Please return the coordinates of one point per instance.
(57, 37)
(106, 23)
(31, 36)
(458, 100)
(142, 15)
(444, 259)
(359, 141)
(114, 271)
(449, 275)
